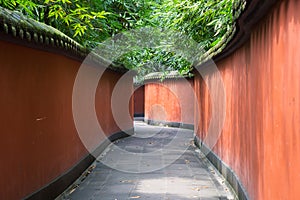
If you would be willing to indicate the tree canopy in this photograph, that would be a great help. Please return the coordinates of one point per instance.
(90, 22)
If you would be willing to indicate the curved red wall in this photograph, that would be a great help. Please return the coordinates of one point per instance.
(39, 141)
(165, 101)
(261, 137)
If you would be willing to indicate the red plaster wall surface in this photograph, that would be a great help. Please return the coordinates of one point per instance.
(261, 137)
(139, 100)
(39, 141)
(163, 99)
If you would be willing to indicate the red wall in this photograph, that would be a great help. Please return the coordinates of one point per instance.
(163, 99)
(261, 137)
(39, 141)
(139, 100)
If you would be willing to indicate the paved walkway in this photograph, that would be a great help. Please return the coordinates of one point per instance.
(156, 163)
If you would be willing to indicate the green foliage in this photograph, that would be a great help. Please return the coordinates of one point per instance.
(29, 8)
(204, 21)
(153, 60)
(73, 17)
(92, 21)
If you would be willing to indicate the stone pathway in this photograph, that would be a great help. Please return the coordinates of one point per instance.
(157, 163)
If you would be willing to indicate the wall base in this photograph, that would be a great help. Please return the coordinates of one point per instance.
(139, 115)
(171, 124)
(224, 169)
(140, 119)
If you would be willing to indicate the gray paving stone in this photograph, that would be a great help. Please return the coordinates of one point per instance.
(178, 173)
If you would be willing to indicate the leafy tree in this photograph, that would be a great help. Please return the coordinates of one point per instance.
(92, 21)
(204, 21)
(73, 17)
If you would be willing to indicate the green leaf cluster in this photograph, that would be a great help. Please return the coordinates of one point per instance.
(204, 21)
(91, 22)
(73, 17)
